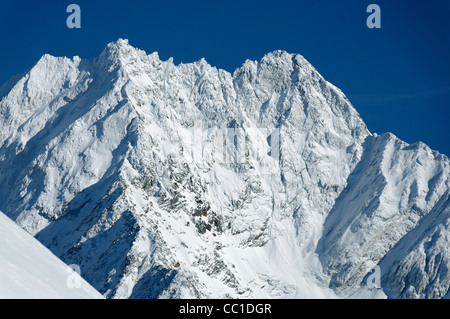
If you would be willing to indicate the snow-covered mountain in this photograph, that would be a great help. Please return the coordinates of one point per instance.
(29, 270)
(175, 181)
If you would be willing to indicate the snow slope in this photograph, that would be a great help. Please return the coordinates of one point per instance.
(395, 211)
(172, 181)
(29, 270)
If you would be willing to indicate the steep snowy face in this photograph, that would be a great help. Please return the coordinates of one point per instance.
(163, 180)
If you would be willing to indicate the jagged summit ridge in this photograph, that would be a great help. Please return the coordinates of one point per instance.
(164, 180)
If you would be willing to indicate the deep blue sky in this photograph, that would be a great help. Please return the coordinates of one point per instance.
(397, 77)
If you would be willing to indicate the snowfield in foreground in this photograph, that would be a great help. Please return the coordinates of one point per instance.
(30, 271)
